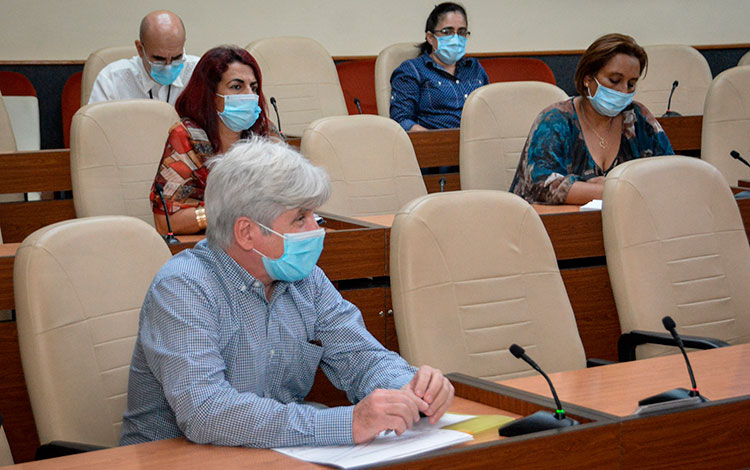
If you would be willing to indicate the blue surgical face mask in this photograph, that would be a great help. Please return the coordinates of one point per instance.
(301, 253)
(240, 111)
(451, 48)
(609, 102)
(164, 74)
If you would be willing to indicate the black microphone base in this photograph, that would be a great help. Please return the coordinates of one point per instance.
(170, 239)
(670, 395)
(539, 421)
(671, 114)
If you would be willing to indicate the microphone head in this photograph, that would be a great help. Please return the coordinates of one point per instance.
(735, 154)
(517, 350)
(668, 323)
(675, 83)
(273, 101)
(158, 187)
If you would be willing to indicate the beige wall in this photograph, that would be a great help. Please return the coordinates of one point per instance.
(71, 29)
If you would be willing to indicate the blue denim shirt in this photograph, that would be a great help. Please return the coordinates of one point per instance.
(218, 363)
(423, 93)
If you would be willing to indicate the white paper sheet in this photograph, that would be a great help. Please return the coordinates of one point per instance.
(594, 205)
(422, 437)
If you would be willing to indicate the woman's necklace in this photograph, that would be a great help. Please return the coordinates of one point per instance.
(602, 141)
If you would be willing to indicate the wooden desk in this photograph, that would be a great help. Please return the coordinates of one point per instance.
(595, 442)
(714, 435)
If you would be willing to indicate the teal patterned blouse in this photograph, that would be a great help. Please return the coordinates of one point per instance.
(555, 154)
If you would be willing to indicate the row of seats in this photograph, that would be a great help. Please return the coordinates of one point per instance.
(477, 270)
(115, 147)
(325, 89)
(462, 291)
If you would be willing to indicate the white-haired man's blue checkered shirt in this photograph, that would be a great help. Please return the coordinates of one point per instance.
(218, 363)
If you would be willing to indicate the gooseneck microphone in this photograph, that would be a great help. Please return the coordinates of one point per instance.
(677, 393)
(736, 155)
(669, 112)
(541, 420)
(278, 119)
(670, 326)
(358, 105)
(169, 237)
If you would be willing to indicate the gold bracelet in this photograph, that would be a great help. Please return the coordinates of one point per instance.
(200, 217)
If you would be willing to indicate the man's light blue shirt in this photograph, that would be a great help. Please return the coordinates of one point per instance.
(217, 362)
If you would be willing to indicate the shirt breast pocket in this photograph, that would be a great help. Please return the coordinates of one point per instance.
(300, 370)
(435, 93)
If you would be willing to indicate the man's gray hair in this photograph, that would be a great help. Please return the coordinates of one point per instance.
(259, 179)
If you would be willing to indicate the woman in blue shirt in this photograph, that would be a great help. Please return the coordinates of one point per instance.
(429, 92)
(573, 144)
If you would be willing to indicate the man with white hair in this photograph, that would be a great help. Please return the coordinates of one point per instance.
(232, 331)
(160, 71)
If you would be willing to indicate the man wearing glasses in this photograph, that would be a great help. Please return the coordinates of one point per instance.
(429, 92)
(161, 69)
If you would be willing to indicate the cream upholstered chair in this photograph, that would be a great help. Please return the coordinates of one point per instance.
(7, 144)
(388, 60)
(676, 245)
(6, 458)
(745, 59)
(7, 139)
(300, 74)
(115, 149)
(670, 62)
(726, 123)
(97, 61)
(494, 126)
(370, 161)
(473, 272)
(79, 286)
(22, 105)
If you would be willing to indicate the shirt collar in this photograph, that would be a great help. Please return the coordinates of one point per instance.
(430, 62)
(240, 278)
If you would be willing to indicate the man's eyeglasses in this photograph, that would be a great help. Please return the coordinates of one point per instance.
(463, 32)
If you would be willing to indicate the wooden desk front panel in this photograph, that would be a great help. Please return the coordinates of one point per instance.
(15, 407)
(711, 437)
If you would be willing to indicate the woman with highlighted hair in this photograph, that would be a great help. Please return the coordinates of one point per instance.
(429, 92)
(573, 144)
(222, 103)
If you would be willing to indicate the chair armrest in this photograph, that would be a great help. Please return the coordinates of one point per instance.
(596, 362)
(61, 448)
(629, 341)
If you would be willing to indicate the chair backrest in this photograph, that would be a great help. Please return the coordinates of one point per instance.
(97, 61)
(676, 245)
(7, 139)
(667, 63)
(79, 285)
(516, 69)
(494, 125)
(71, 102)
(726, 123)
(115, 149)
(471, 273)
(387, 61)
(745, 59)
(22, 106)
(300, 74)
(370, 160)
(357, 78)
(6, 458)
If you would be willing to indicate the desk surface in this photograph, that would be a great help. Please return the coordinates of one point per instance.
(615, 389)
(178, 453)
